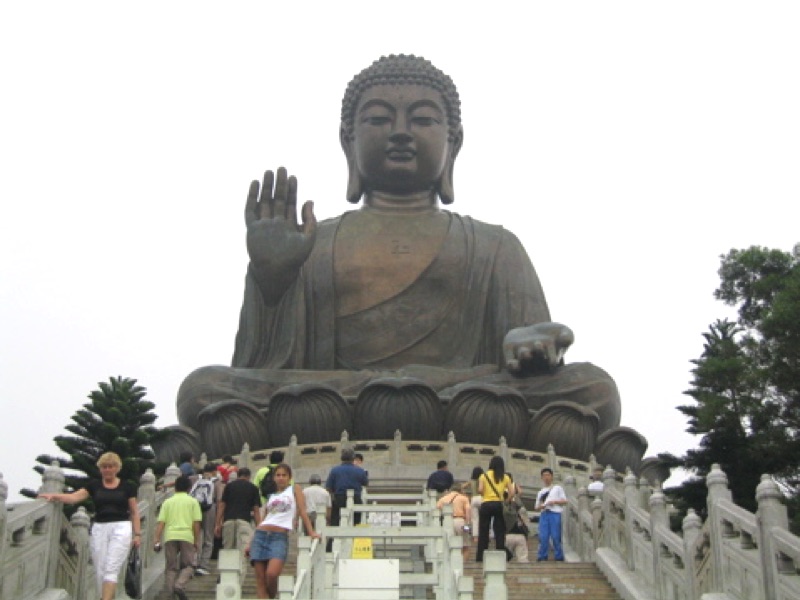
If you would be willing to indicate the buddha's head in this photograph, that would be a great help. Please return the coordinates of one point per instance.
(401, 129)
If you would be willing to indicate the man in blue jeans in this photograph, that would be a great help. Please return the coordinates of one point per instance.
(550, 501)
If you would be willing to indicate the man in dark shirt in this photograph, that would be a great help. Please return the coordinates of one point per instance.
(441, 479)
(239, 508)
(341, 478)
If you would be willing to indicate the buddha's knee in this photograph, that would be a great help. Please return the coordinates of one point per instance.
(199, 390)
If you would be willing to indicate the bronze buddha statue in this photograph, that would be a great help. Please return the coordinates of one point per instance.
(400, 314)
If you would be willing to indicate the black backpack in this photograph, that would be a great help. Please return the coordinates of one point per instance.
(267, 487)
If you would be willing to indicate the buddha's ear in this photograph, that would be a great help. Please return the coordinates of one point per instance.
(354, 188)
(446, 191)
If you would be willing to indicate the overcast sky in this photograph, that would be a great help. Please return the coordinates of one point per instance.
(627, 144)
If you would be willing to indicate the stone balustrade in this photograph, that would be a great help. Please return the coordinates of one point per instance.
(733, 555)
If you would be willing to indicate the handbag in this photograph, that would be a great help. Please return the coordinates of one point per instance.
(133, 575)
(510, 508)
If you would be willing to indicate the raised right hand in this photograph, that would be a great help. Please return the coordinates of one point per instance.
(276, 244)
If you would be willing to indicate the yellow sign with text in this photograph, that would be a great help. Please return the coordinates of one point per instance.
(362, 548)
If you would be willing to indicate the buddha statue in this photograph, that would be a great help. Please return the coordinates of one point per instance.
(399, 314)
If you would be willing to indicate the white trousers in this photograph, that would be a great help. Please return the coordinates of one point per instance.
(111, 543)
(517, 544)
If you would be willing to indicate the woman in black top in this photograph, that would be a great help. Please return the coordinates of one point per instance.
(116, 521)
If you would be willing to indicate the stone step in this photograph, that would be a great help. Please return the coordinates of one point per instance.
(532, 581)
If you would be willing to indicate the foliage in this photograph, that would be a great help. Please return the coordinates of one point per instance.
(118, 419)
(746, 383)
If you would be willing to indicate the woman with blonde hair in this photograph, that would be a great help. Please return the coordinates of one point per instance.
(116, 521)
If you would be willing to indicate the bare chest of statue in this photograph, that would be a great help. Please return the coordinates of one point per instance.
(377, 255)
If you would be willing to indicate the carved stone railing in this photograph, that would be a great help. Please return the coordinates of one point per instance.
(735, 555)
(43, 552)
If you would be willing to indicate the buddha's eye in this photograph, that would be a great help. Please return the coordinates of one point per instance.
(378, 120)
(424, 121)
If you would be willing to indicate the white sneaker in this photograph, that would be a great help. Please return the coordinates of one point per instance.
(202, 571)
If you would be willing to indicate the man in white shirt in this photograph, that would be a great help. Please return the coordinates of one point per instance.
(318, 500)
(596, 486)
(550, 501)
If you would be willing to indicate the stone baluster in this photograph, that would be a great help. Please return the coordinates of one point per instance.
(551, 457)
(717, 484)
(53, 483)
(609, 485)
(494, 575)
(398, 448)
(244, 458)
(3, 517)
(597, 523)
(645, 492)
(658, 517)
(203, 460)
(771, 514)
(147, 497)
(631, 500)
(503, 449)
(692, 526)
(292, 455)
(452, 451)
(81, 523)
(171, 474)
(585, 550)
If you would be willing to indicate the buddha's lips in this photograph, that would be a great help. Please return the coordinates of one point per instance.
(402, 155)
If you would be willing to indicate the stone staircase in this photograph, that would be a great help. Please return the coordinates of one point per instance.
(532, 581)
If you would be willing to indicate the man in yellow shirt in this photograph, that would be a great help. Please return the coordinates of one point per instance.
(179, 522)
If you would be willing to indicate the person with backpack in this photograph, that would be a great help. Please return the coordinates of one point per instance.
(207, 490)
(264, 479)
(237, 511)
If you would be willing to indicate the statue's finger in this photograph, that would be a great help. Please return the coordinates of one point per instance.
(309, 219)
(291, 200)
(251, 206)
(266, 205)
(280, 194)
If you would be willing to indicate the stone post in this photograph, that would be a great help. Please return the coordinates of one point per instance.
(631, 500)
(658, 517)
(585, 549)
(568, 520)
(597, 518)
(171, 474)
(609, 485)
(771, 514)
(692, 526)
(53, 483)
(203, 460)
(147, 498)
(81, 523)
(503, 450)
(494, 575)
(244, 458)
(452, 451)
(291, 452)
(645, 491)
(397, 449)
(717, 484)
(551, 457)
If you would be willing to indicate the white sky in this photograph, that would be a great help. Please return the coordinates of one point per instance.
(627, 144)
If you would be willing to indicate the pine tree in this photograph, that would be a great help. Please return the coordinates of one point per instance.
(746, 384)
(118, 419)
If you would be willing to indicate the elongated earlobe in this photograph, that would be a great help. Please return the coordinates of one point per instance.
(445, 189)
(354, 187)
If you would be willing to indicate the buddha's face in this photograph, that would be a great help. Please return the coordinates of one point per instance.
(400, 138)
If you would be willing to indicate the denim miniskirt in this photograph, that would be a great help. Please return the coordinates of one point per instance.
(269, 544)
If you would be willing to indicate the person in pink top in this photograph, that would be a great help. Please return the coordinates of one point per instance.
(269, 545)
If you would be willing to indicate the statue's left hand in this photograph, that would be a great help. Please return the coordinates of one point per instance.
(536, 348)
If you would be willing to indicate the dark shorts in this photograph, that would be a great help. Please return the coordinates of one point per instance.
(269, 544)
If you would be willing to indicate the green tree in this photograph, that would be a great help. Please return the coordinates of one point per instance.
(746, 384)
(118, 419)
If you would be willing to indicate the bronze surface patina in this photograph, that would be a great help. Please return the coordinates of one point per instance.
(400, 314)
